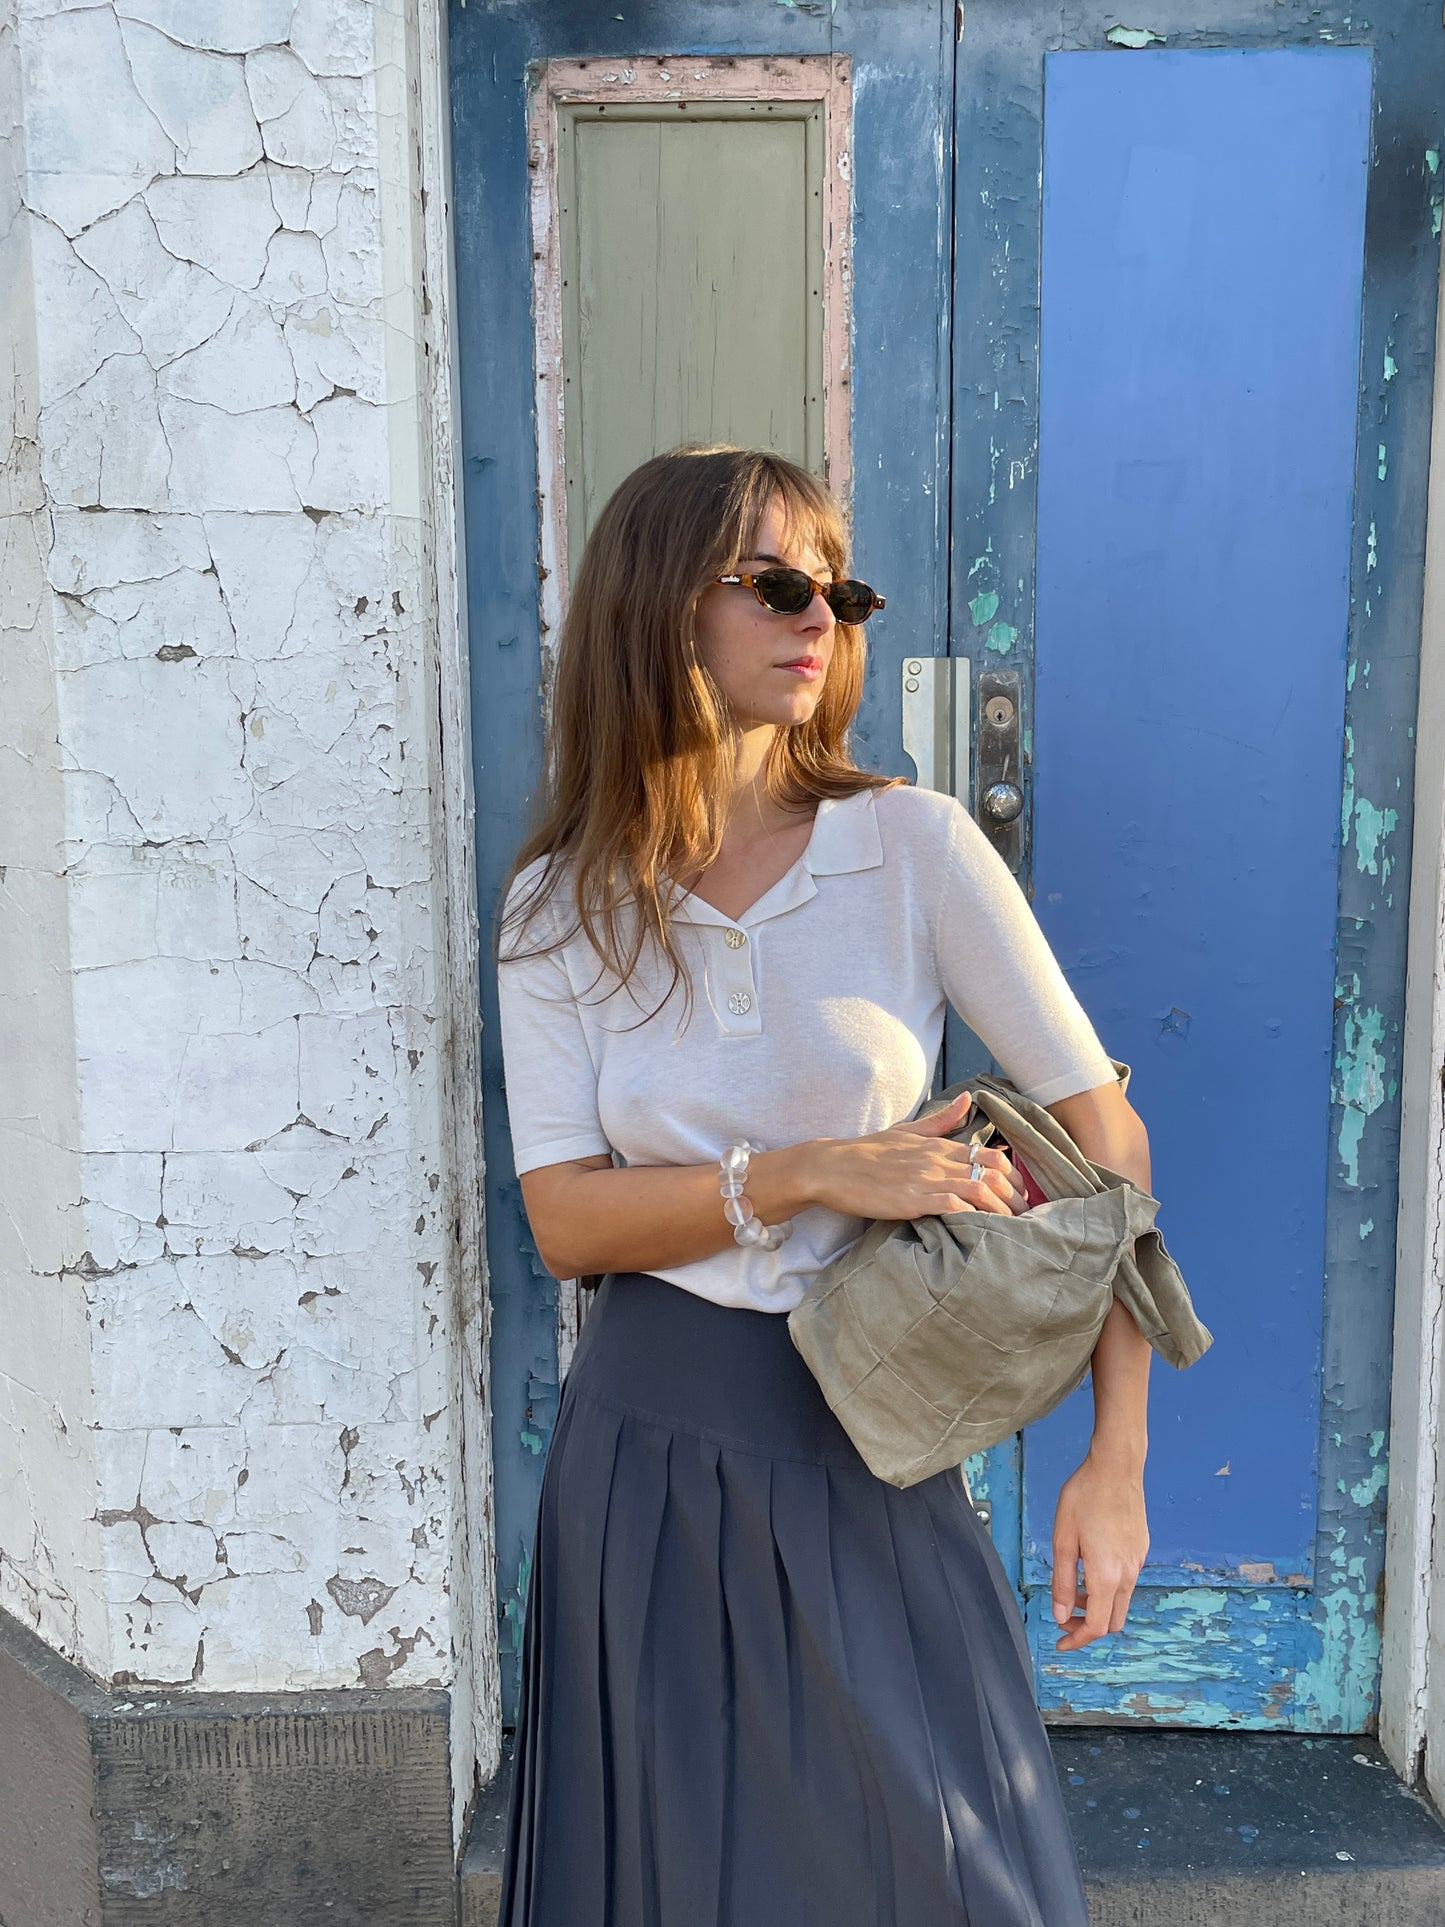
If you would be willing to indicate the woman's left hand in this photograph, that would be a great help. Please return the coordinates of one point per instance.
(1100, 1521)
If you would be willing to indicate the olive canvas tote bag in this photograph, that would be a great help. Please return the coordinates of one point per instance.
(934, 1338)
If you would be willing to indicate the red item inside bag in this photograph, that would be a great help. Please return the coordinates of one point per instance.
(1026, 1178)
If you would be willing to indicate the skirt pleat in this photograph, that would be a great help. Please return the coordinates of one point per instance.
(758, 1684)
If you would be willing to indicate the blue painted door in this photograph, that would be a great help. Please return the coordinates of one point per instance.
(902, 54)
(1188, 485)
(1142, 362)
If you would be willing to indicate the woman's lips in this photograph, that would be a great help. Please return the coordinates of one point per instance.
(809, 666)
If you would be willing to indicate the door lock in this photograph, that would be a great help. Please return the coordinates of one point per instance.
(1003, 802)
(999, 759)
(937, 737)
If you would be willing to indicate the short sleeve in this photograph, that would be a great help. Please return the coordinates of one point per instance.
(997, 970)
(550, 1075)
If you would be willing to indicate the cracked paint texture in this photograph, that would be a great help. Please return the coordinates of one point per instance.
(228, 1452)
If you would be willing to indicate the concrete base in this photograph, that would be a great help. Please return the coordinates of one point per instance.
(218, 1810)
(1182, 1829)
(481, 1871)
(1185, 1829)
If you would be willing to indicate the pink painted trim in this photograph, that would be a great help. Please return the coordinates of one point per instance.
(808, 77)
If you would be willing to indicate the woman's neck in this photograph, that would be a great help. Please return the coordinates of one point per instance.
(752, 813)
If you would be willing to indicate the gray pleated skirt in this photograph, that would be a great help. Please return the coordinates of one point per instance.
(761, 1687)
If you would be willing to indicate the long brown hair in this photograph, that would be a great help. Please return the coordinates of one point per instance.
(640, 747)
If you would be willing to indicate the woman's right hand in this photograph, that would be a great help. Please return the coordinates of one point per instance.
(911, 1170)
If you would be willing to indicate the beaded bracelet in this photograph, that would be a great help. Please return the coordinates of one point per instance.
(748, 1229)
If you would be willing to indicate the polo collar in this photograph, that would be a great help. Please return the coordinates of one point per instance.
(845, 838)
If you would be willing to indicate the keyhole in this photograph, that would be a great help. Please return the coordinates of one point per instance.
(999, 711)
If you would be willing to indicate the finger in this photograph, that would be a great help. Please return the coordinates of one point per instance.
(996, 1169)
(938, 1204)
(1065, 1587)
(1097, 1613)
(1123, 1599)
(940, 1123)
(985, 1198)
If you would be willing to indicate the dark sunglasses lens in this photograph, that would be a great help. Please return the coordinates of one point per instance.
(851, 601)
(787, 592)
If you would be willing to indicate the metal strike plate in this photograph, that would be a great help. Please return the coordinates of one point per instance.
(935, 721)
(998, 772)
(926, 735)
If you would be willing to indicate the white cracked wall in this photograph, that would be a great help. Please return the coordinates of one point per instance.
(231, 1352)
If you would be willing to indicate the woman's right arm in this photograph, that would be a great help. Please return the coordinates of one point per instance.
(588, 1217)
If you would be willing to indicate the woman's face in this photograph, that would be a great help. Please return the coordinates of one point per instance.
(771, 668)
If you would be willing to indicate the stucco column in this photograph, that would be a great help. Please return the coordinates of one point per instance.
(239, 1290)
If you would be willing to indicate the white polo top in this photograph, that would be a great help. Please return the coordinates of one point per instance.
(818, 1013)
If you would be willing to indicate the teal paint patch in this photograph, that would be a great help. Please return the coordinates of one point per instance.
(1372, 548)
(1337, 1686)
(533, 1441)
(1432, 159)
(1347, 793)
(1366, 1228)
(1365, 1491)
(514, 1610)
(1134, 37)
(984, 608)
(1372, 825)
(1381, 465)
(1002, 637)
(1390, 369)
(1359, 1082)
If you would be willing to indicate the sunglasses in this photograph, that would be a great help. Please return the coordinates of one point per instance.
(787, 592)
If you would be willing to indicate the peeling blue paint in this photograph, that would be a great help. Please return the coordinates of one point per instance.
(1371, 826)
(1002, 637)
(1367, 1490)
(1359, 1081)
(1381, 465)
(1134, 37)
(983, 608)
(1347, 786)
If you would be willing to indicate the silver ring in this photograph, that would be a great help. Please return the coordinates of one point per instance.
(975, 1172)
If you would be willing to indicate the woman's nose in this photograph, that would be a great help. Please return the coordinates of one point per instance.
(817, 617)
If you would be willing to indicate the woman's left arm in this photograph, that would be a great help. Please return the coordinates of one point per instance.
(1100, 1517)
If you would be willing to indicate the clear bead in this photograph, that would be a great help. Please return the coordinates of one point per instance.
(737, 1210)
(751, 1233)
(735, 1157)
(730, 1184)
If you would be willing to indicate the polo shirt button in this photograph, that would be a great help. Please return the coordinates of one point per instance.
(740, 1003)
(735, 939)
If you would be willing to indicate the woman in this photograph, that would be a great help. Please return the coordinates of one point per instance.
(759, 1685)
